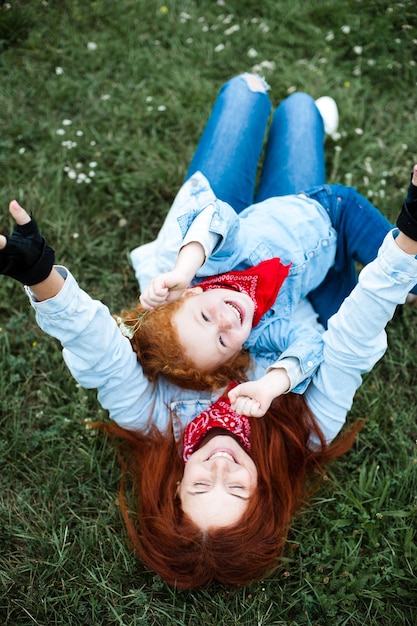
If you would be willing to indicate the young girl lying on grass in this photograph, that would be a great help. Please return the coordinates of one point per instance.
(198, 323)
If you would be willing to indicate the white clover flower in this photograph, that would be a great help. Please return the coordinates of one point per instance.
(60, 131)
(267, 65)
(189, 40)
(78, 165)
(329, 36)
(91, 45)
(22, 150)
(359, 131)
(357, 71)
(162, 107)
(348, 178)
(252, 53)
(412, 62)
(59, 71)
(404, 146)
(105, 96)
(205, 28)
(79, 133)
(232, 29)
(184, 17)
(371, 62)
(149, 108)
(92, 143)
(292, 89)
(66, 122)
(264, 28)
(92, 164)
(368, 166)
(122, 222)
(338, 148)
(75, 235)
(365, 181)
(91, 173)
(345, 29)
(357, 50)
(72, 174)
(148, 99)
(219, 47)
(227, 19)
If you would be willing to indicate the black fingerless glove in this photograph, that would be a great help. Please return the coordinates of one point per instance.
(27, 257)
(407, 219)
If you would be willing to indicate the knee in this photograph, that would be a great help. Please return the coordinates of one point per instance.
(299, 100)
(254, 82)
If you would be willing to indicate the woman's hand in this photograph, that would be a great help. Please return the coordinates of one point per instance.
(25, 255)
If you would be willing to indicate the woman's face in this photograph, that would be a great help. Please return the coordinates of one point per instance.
(219, 478)
(213, 325)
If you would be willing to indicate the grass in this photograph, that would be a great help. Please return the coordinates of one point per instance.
(136, 102)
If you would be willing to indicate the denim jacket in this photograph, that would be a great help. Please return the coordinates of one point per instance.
(99, 356)
(296, 229)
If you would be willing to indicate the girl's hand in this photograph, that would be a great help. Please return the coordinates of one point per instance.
(164, 288)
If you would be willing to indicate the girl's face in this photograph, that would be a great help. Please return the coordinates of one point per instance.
(213, 325)
(219, 478)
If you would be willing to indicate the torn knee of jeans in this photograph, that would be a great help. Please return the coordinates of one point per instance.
(256, 83)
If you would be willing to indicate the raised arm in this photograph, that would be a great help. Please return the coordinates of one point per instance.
(26, 257)
(356, 338)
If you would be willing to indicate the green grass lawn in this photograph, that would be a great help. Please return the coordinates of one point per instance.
(101, 106)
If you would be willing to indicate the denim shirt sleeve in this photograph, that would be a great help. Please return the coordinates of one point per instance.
(100, 357)
(96, 352)
(355, 339)
(289, 339)
(194, 198)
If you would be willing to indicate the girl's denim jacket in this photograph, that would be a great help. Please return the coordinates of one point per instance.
(295, 229)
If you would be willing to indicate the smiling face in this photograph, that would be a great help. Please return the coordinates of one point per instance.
(219, 478)
(213, 325)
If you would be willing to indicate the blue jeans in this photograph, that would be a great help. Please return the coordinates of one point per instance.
(230, 147)
(229, 152)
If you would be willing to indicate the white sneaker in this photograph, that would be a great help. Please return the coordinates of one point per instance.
(330, 114)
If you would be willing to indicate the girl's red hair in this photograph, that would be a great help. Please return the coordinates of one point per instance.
(159, 351)
(168, 542)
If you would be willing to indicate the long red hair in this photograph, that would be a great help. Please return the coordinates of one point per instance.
(159, 351)
(169, 543)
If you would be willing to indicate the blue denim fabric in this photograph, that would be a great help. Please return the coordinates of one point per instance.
(231, 144)
(230, 147)
(361, 229)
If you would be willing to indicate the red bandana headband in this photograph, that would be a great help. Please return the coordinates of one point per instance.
(218, 415)
(261, 283)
